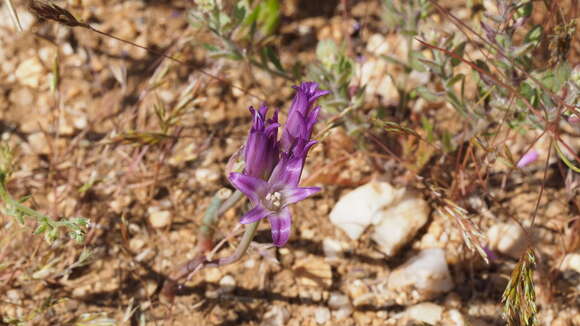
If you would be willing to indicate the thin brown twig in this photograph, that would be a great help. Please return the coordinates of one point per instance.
(535, 213)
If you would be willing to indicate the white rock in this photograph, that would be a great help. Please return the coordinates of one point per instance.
(417, 78)
(213, 275)
(338, 300)
(145, 255)
(332, 248)
(22, 96)
(355, 211)
(26, 19)
(571, 262)
(342, 313)
(30, 72)
(159, 219)
(378, 45)
(341, 305)
(322, 315)
(136, 244)
(13, 295)
(422, 277)
(397, 213)
(508, 239)
(227, 284)
(454, 317)
(400, 222)
(276, 316)
(38, 143)
(426, 312)
(206, 176)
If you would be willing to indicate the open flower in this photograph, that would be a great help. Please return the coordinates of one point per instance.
(271, 198)
(273, 168)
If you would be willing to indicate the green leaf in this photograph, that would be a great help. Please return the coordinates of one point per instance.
(415, 59)
(458, 50)
(269, 16)
(210, 47)
(521, 50)
(457, 104)
(426, 94)
(534, 35)
(455, 79)
(272, 56)
(396, 61)
(326, 52)
(41, 229)
(562, 73)
(525, 10)
(528, 91)
(566, 160)
(447, 142)
(239, 12)
(428, 127)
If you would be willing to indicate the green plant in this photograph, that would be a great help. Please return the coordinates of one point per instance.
(243, 32)
(76, 226)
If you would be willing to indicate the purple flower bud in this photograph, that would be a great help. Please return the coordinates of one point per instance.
(261, 150)
(528, 158)
(302, 115)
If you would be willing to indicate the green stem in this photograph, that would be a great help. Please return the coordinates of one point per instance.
(240, 250)
(216, 208)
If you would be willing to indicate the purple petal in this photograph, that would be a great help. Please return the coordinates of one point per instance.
(261, 154)
(311, 119)
(289, 168)
(528, 158)
(287, 172)
(301, 116)
(261, 149)
(280, 224)
(296, 127)
(252, 187)
(293, 195)
(255, 214)
(263, 111)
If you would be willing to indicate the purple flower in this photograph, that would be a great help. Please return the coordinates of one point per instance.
(528, 158)
(273, 168)
(271, 198)
(261, 150)
(302, 115)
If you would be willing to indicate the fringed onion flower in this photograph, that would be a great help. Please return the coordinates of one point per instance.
(273, 168)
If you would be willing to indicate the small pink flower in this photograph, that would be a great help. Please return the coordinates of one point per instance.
(530, 157)
(574, 119)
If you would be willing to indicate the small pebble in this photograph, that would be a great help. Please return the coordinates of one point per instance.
(508, 239)
(322, 315)
(159, 219)
(227, 284)
(275, 316)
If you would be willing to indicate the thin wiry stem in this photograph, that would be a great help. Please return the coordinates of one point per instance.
(50, 11)
(201, 260)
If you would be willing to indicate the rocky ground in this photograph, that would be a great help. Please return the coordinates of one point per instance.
(378, 246)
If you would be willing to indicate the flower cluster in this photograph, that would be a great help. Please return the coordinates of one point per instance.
(273, 167)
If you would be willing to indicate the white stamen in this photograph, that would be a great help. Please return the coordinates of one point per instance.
(275, 199)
